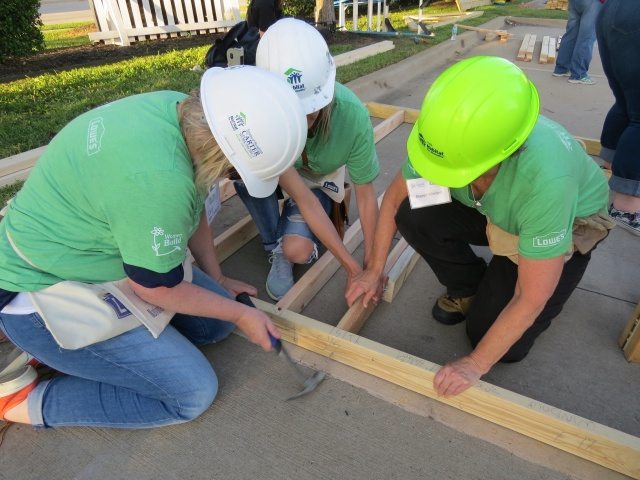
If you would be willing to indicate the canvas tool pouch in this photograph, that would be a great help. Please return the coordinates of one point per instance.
(79, 314)
(334, 186)
(587, 233)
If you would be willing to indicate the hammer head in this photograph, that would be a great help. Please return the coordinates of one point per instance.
(310, 384)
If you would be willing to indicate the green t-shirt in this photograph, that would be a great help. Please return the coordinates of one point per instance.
(540, 190)
(350, 141)
(115, 185)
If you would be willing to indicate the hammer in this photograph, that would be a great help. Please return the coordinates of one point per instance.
(309, 383)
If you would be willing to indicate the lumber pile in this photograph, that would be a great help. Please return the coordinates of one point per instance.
(548, 50)
(525, 53)
(557, 4)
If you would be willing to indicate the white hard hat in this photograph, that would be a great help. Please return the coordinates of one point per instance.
(257, 121)
(296, 51)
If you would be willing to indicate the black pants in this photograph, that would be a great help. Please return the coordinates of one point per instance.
(442, 234)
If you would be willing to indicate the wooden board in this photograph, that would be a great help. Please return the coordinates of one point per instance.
(630, 338)
(357, 315)
(544, 51)
(234, 238)
(363, 52)
(522, 52)
(490, 34)
(399, 273)
(551, 55)
(582, 437)
(532, 45)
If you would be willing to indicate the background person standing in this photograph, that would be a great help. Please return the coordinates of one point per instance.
(576, 47)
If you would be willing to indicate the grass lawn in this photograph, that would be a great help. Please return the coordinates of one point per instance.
(33, 110)
(60, 35)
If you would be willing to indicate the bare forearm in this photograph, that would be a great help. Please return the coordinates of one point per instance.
(321, 226)
(508, 328)
(204, 253)
(369, 212)
(191, 300)
(386, 226)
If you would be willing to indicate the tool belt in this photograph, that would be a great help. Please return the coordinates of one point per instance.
(79, 314)
(334, 186)
(587, 232)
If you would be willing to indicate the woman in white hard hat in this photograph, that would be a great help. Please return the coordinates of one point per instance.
(89, 280)
(340, 138)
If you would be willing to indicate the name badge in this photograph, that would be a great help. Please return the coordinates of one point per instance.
(423, 193)
(212, 203)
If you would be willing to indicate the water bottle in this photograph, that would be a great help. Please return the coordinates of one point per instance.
(454, 32)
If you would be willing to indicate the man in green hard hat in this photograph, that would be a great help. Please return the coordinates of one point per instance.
(485, 168)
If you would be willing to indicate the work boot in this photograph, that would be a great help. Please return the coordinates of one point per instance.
(450, 310)
(280, 278)
(15, 387)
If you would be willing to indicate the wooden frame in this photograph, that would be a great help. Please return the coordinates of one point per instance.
(594, 442)
(586, 439)
(630, 337)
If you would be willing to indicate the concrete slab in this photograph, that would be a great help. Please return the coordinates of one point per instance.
(338, 432)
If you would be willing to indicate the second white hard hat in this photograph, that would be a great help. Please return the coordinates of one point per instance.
(297, 52)
(257, 121)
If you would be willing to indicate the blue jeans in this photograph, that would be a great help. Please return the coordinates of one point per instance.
(273, 225)
(129, 381)
(618, 30)
(576, 47)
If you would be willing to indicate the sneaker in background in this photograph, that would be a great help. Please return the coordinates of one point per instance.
(15, 386)
(280, 278)
(449, 310)
(586, 80)
(628, 221)
(565, 74)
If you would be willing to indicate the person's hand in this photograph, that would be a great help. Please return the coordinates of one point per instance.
(257, 326)
(455, 377)
(236, 287)
(368, 284)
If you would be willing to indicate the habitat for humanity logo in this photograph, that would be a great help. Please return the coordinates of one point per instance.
(550, 239)
(94, 136)
(294, 77)
(239, 120)
(165, 243)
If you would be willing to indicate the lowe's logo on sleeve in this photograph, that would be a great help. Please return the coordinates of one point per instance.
(550, 239)
(94, 136)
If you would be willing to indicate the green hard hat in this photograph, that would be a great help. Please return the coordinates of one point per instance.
(477, 113)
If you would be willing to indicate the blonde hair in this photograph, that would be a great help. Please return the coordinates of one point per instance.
(322, 126)
(208, 160)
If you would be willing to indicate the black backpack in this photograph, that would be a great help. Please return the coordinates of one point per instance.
(240, 35)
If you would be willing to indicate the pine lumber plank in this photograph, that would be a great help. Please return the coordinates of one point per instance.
(551, 58)
(21, 161)
(582, 437)
(388, 125)
(544, 51)
(234, 238)
(630, 338)
(357, 315)
(399, 273)
(522, 52)
(502, 33)
(383, 110)
(353, 56)
(593, 145)
(532, 45)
